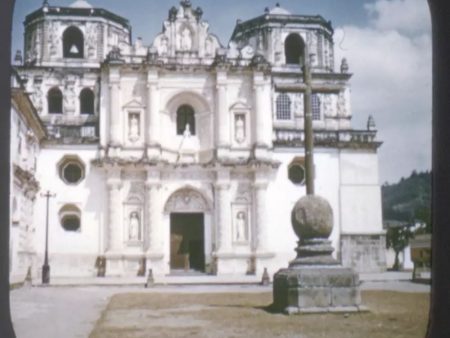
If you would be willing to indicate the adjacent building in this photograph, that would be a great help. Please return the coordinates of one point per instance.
(187, 155)
(27, 132)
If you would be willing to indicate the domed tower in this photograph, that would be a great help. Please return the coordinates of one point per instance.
(74, 36)
(284, 38)
(64, 48)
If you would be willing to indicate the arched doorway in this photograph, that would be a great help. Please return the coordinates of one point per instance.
(188, 211)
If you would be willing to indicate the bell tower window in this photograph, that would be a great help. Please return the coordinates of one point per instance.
(87, 101)
(185, 120)
(54, 99)
(294, 49)
(73, 43)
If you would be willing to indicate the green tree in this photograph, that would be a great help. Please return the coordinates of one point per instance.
(397, 238)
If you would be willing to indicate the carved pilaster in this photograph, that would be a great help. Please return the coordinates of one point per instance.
(115, 114)
(152, 135)
(114, 233)
(223, 218)
(222, 119)
(260, 192)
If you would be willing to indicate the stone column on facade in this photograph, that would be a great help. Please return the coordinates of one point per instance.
(262, 237)
(263, 117)
(152, 121)
(223, 119)
(152, 240)
(223, 204)
(114, 108)
(114, 229)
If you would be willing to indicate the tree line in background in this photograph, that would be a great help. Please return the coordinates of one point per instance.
(406, 211)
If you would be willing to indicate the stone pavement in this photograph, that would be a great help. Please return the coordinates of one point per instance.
(71, 311)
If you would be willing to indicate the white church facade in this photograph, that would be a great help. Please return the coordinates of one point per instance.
(187, 155)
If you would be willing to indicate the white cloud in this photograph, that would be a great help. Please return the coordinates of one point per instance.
(392, 82)
(407, 16)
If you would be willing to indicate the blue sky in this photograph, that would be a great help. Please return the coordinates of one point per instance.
(146, 16)
(387, 44)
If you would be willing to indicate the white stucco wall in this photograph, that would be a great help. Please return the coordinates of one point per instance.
(283, 194)
(89, 196)
(360, 193)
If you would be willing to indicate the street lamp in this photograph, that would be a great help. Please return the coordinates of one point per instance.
(46, 267)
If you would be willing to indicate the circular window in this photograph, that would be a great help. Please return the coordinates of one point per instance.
(296, 174)
(70, 217)
(71, 223)
(71, 170)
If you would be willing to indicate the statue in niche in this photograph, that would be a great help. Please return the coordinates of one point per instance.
(133, 227)
(186, 40)
(163, 46)
(239, 129)
(134, 128)
(241, 226)
(187, 131)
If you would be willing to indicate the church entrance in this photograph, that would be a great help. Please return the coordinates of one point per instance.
(187, 242)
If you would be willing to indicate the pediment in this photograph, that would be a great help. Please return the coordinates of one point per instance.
(240, 105)
(133, 104)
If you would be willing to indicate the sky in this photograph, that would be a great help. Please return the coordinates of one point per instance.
(387, 44)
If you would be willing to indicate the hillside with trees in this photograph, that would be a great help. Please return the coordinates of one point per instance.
(408, 202)
(406, 211)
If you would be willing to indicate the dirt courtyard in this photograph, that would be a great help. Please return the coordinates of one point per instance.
(228, 315)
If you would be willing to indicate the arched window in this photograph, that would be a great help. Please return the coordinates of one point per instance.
(185, 116)
(73, 43)
(315, 107)
(283, 107)
(87, 101)
(294, 49)
(70, 217)
(54, 99)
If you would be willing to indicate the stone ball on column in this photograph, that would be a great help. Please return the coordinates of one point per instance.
(312, 217)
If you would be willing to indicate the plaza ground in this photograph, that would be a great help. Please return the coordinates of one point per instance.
(398, 308)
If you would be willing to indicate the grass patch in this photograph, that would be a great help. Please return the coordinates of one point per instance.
(148, 315)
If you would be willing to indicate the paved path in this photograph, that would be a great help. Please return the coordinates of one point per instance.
(71, 312)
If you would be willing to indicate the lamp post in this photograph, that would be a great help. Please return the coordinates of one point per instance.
(46, 267)
(309, 135)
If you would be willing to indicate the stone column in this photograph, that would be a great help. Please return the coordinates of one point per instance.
(223, 204)
(262, 109)
(152, 123)
(260, 191)
(152, 240)
(114, 107)
(222, 123)
(259, 121)
(114, 230)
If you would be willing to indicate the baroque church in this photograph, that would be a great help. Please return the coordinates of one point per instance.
(187, 155)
